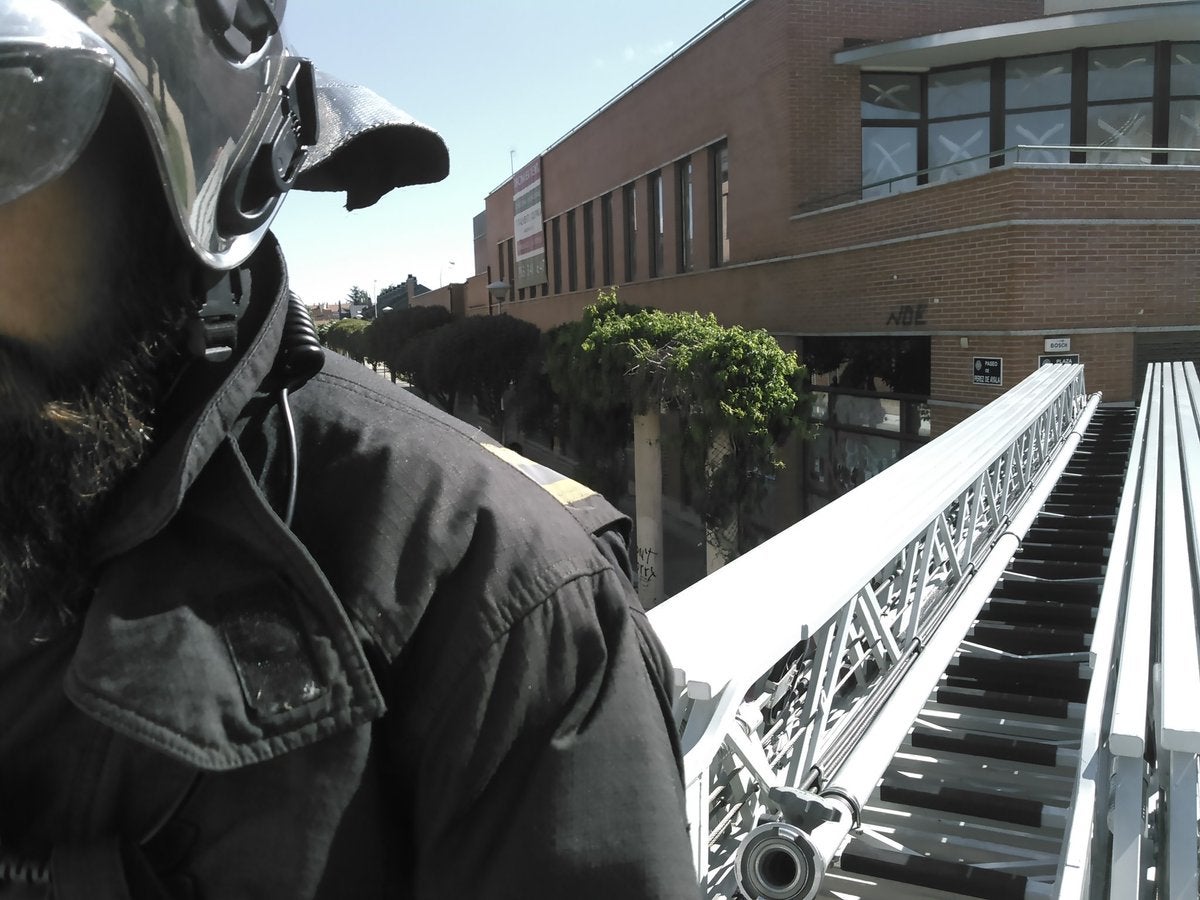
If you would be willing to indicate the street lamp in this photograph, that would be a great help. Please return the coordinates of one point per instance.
(499, 291)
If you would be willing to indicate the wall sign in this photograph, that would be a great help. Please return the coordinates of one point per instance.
(988, 370)
(529, 229)
(1058, 345)
(907, 315)
(1052, 358)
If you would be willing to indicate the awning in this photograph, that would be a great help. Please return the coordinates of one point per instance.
(1051, 34)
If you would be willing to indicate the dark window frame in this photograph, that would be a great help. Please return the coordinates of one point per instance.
(572, 255)
(606, 238)
(685, 208)
(657, 225)
(556, 239)
(629, 197)
(589, 245)
(719, 200)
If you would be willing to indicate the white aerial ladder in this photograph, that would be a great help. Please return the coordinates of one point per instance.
(841, 737)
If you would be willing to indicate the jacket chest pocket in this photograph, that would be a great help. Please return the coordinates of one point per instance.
(90, 814)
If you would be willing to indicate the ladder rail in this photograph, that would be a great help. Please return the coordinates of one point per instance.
(1089, 806)
(862, 770)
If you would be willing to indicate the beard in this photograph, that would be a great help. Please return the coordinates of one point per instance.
(70, 434)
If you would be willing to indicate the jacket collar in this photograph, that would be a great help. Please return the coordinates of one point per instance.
(212, 395)
(212, 634)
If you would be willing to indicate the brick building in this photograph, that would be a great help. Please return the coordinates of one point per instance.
(953, 182)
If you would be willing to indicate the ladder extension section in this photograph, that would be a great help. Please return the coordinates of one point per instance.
(800, 667)
(977, 800)
(1133, 826)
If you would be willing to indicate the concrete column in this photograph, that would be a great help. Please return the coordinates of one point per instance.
(720, 543)
(647, 477)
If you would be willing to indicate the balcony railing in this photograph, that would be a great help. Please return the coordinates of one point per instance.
(1016, 155)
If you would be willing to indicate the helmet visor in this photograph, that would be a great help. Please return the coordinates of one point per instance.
(50, 104)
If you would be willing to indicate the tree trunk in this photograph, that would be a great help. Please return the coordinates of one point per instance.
(647, 479)
(720, 542)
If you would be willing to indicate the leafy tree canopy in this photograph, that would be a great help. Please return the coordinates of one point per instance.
(496, 351)
(349, 337)
(723, 381)
(392, 331)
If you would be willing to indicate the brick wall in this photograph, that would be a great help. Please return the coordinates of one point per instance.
(1004, 259)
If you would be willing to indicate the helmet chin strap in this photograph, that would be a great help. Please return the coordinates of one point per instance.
(213, 329)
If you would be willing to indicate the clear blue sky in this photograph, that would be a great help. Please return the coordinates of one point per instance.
(491, 77)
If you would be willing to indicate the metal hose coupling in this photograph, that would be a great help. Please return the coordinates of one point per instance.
(778, 860)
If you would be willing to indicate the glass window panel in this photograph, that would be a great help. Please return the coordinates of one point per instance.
(888, 153)
(1185, 131)
(1038, 81)
(887, 96)
(952, 142)
(862, 412)
(818, 466)
(1120, 73)
(923, 428)
(891, 415)
(1051, 126)
(859, 457)
(959, 92)
(820, 405)
(1185, 69)
(1119, 125)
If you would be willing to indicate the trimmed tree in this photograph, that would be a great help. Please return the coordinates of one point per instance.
(594, 414)
(497, 350)
(349, 337)
(733, 388)
(391, 332)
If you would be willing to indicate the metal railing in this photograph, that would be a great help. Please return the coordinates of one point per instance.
(1016, 155)
(786, 657)
(1136, 800)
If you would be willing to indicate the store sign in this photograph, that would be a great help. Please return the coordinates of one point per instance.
(988, 370)
(1058, 345)
(1051, 359)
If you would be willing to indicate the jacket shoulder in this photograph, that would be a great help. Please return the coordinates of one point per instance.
(400, 502)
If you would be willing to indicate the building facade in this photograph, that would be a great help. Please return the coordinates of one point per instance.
(942, 195)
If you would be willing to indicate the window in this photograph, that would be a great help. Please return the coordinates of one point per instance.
(1120, 92)
(656, 225)
(556, 239)
(1037, 100)
(589, 247)
(1130, 105)
(1183, 132)
(720, 204)
(512, 269)
(606, 237)
(891, 111)
(631, 231)
(959, 123)
(683, 172)
(572, 279)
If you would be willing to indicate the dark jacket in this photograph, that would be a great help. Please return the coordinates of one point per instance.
(436, 684)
